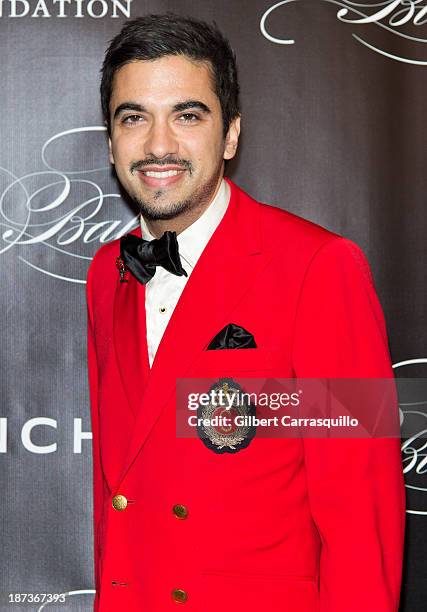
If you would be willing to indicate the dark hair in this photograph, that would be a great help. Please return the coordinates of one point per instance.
(155, 36)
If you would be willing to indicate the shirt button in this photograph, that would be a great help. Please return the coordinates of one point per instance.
(119, 502)
(179, 595)
(162, 309)
(180, 511)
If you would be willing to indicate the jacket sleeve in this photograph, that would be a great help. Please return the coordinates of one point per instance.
(96, 461)
(355, 485)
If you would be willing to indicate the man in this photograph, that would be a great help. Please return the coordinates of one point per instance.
(295, 524)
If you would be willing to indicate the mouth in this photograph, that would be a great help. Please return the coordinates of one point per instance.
(161, 177)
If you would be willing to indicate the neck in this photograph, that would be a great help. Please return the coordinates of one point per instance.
(179, 223)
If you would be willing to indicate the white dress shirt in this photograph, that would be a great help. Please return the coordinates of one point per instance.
(163, 291)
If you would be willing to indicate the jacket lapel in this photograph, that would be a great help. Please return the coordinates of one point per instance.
(130, 338)
(221, 277)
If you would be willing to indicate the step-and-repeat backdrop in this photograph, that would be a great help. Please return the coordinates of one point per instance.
(334, 129)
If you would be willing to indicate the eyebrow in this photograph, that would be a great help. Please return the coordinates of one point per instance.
(182, 106)
(179, 107)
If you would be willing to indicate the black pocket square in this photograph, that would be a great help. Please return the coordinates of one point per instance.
(232, 336)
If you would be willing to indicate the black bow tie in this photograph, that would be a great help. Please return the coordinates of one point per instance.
(142, 256)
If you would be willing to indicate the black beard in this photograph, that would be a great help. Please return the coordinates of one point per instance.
(201, 196)
(149, 213)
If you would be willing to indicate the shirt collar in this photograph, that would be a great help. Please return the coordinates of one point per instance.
(194, 238)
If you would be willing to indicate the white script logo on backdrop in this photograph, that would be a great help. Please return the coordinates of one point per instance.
(59, 210)
(389, 15)
(413, 422)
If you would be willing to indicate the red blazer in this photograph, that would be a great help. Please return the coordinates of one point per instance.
(295, 525)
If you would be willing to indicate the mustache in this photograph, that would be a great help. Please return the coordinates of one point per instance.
(141, 164)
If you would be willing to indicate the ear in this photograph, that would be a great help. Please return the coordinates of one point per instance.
(232, 138)
(110, 151)
(110, 146)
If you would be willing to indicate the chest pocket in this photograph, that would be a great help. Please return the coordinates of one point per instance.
(225, 362)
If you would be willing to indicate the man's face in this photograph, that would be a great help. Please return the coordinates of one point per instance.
(167, 141)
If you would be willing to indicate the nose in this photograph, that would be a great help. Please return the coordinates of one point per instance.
(161, 140)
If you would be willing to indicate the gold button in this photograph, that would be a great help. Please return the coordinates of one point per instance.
(180, 511)
(119, 502)
(179, 595)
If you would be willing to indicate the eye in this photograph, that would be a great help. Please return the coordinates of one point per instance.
(189, 117)
(129, 119)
